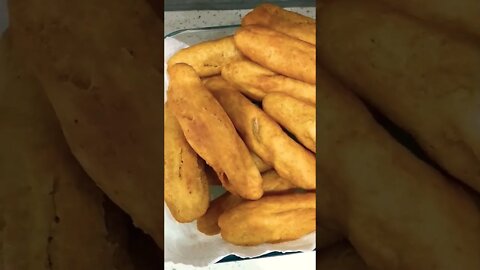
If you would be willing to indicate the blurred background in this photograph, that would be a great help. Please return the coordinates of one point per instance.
(3, 15)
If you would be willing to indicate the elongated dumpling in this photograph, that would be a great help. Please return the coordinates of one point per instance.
(210, 132)
(424, 80)
(100, 65)
(186, 184)
(397, 212)
(52, 215)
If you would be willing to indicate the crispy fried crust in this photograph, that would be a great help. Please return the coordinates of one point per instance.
(264, 136)
(283, 21)
(186, 185)
(296, 116)
(422, 79)
(271, 219)
(398, 212)
(273, 183)
(278, 52)
(256, 81)
(211, 133)
(208, 58)
(260, 163)
(100, 65)
(53, 214)
(208, 223)
(459, 15)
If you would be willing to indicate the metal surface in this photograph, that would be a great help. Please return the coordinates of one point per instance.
(173, 5)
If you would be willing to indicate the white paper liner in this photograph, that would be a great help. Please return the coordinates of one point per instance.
(184, 244)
